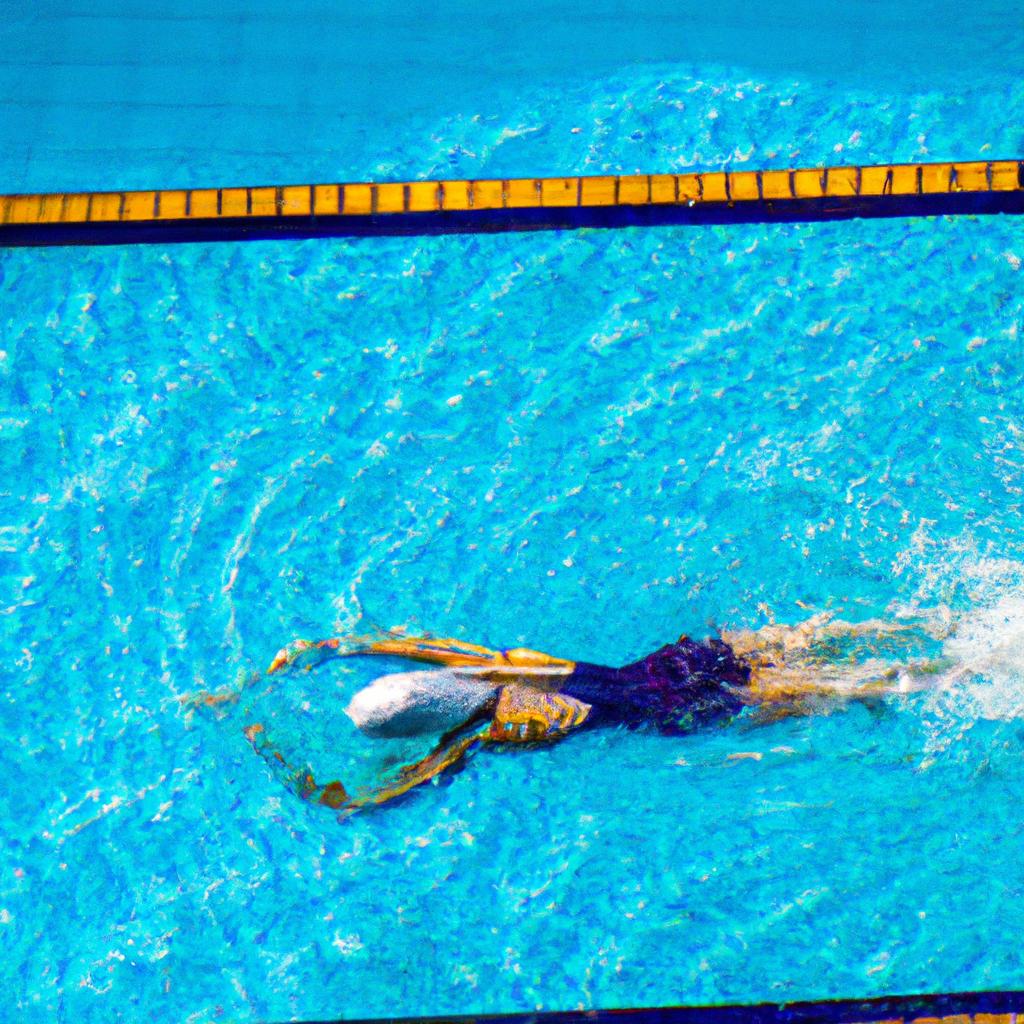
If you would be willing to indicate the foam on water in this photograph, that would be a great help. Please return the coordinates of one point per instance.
(974, 601)
(989, 642)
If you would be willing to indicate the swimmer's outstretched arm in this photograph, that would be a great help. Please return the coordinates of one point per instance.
(520, 661)
(299, 780)
(452, 748)
(432, 650)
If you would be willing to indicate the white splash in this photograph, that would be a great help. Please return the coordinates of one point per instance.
(986, 651)
(974, 596)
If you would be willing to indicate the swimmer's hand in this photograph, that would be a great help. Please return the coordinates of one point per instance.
(288, 654)
(209, 699)
(230, 694)
(316, 651)
(526, 715)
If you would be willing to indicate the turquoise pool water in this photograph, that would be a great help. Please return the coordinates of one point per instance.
(586, 443)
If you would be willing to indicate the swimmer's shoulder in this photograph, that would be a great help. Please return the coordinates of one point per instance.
(524, 714)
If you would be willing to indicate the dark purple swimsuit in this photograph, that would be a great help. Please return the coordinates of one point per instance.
(679, 687)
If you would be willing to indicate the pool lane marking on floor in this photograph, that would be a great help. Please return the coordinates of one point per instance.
(753, 195)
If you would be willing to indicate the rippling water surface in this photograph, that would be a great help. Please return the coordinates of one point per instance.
(586, 443)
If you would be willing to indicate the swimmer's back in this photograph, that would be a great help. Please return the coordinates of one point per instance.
(678, 687)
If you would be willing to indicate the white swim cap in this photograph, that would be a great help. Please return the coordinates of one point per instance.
(415, 703)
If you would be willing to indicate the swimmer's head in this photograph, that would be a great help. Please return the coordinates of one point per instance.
(417, 703)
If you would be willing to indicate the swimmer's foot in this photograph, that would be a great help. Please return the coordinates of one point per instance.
(939, 623)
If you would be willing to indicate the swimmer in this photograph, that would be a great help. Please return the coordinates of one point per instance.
(477, 696)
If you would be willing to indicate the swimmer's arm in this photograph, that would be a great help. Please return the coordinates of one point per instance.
(447, 753)
(215, 698)
(432, 650)
(522, 715)
(299, 780)
(451, 749)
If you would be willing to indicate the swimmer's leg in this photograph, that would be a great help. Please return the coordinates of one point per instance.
(799, 688)
(934, 626)
(818, 637)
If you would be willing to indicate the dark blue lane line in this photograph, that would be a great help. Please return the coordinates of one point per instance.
(835, 1011)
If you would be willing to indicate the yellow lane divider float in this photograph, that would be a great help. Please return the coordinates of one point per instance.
(432, 207)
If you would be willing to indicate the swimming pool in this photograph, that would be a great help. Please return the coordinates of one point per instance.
(587, 443)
